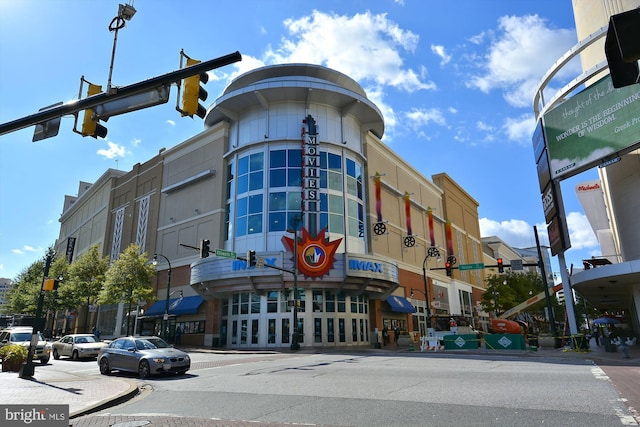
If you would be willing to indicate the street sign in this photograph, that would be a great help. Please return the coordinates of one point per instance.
(225, 254)
(477, 266)
(516, 265)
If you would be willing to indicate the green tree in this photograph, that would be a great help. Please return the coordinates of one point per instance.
(52, 302)
(128, 280)
(84, 281)
(505, 291)
(22, 298)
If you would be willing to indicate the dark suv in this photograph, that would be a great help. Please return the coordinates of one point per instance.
(22, 335)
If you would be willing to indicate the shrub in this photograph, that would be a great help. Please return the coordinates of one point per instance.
(13, 353)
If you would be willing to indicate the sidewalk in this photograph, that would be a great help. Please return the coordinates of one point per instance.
(83, 395)
(86, 395)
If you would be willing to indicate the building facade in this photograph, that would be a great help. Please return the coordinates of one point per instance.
(291, 162)
(611, 281)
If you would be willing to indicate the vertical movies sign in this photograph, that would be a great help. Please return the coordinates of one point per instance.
(591, 127)
(311, 166)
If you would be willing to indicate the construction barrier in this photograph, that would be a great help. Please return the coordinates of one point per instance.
(430, 344)
(505, 342)
(461, 342)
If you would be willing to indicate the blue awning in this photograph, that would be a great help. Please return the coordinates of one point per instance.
(400, 304)
(177, 306)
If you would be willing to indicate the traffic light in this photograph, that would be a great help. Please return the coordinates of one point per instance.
(204, 248)
(251, 258)
(500, 266)
(622, 49)
(447, 266)
(50, 284)
(90, 125)
(193, 93)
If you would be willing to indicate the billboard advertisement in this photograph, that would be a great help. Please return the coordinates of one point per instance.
(595, 125)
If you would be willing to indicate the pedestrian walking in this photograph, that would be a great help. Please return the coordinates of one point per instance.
(178, 335)
(596, 336)
(396, 334)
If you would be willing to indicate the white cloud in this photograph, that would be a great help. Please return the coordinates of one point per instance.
(24, 250)
(171, 122)
(515, 232)
(520, 53)
(519, 234)
(419, 117)
(439, 50)
(114, 151)
(319, 39)
(580, 232)
(136, 141)
(484, 127)
(520, 129)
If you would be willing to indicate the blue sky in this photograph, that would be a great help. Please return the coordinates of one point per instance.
(454, 79)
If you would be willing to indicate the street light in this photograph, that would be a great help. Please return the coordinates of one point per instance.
(295, 221)
(125, 13)
(432, 252)
(165, 318)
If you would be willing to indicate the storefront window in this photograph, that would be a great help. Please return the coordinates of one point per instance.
(317, 330)
(331, 302)
(341, 303)
(286, 331)
(330, 331)
(255, 303)
(317, 301)
(272, 302)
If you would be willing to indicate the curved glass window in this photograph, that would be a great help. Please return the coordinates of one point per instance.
(341, 206)
(285, 172)
(250, 173)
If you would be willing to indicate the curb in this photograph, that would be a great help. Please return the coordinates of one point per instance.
(133, 391)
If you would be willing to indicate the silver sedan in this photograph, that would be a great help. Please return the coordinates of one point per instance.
(143, 355)
(77, 346)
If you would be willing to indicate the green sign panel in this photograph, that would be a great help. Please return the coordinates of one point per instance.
(591, 127)
(225, 254)
(478, 266)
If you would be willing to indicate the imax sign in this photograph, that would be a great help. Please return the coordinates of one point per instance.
(374, 267)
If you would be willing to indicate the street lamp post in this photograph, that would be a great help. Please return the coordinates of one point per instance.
(27, 370)
(294, 340)
(165, 318)
(431, 253)
(125, 13)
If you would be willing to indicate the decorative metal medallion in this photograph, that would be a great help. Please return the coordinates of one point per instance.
(409, 241)
(379, 228)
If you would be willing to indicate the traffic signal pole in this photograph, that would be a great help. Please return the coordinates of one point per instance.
(116, 93)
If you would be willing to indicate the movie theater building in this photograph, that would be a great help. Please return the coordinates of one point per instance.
(291, 162)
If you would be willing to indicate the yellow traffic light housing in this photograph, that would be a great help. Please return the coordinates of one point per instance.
(193, 93)
(90, 125)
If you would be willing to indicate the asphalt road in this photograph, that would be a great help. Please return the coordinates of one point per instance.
(407, 389)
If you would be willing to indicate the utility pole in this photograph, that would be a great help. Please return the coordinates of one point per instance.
(27, 370)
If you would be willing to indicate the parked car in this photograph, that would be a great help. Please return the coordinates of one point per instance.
(22, 335)
(143, 355)
(77, 346)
